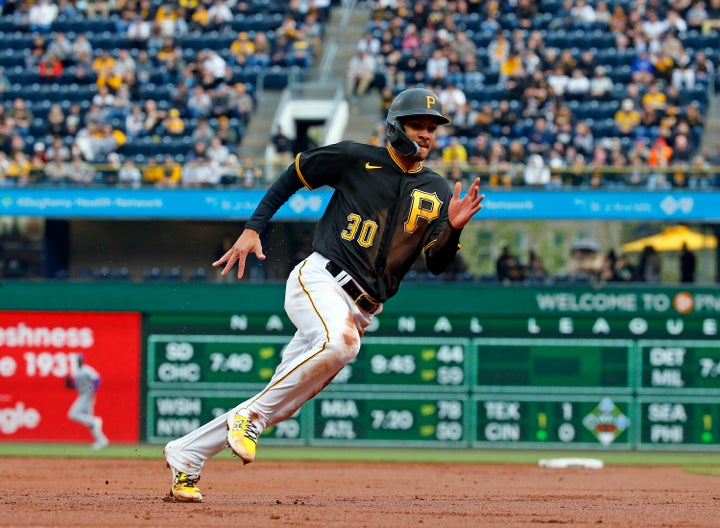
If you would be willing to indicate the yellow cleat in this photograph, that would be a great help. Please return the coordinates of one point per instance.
(242, 437)
(184, 487)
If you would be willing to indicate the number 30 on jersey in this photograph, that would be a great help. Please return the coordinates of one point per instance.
(424, 205)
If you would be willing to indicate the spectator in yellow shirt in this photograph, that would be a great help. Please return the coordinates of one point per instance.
(168, 51)
(664, 66)
(200, 18)
(165, 18)
(103, 62)
(511, 67)
(242, 48)
(18, 172)
(166, 174)
(104, 67)
(173, 123)
(153, 172)
(454, 152)
(190, 5)
(172, 171)
(654, 98)
(627, 118)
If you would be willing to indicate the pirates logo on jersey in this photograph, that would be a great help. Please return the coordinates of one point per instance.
(424, 205)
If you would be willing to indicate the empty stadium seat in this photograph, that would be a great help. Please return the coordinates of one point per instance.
(17, 41)
(201, 41)
(157, 92)
(278, 77)
(470, 22)
(262, 22)
(603, 128)
(199, 275)
(10, 58)
(697, 40)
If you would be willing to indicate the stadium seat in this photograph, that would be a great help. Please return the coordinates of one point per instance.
(173, 274)
(482, 38)
(84, 273)
(697, 40)
(278, 77)
(175, 146)
(16, 41)
(157, 92)
(61, 274)
(21, 76)
(199, 275)
(620, 74)
(262, 22)
(122, 274)
(145, 146)
(103, 273)
(552, 7)
(7, 25)
(10, 58)
(542, 21)
(602, 128)
(153, 274)
(471, 22)
(201, 41)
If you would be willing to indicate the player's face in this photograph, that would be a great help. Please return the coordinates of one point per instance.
(422, 130)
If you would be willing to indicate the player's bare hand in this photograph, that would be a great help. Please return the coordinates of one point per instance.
(460, 211)
(248, 242)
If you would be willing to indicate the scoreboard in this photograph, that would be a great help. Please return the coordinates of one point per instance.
(537, 420)
(210, 361)
(206, 361)
(568, 365)
(693, 366)
(613, 373)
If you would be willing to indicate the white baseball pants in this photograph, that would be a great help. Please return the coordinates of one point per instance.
(329, 329)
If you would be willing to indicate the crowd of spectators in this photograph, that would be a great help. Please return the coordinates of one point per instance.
(588, 264)
(602, 93)
(599, 93)
(543, 93)
(126, 86)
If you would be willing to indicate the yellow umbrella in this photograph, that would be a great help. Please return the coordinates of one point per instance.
(672, 239)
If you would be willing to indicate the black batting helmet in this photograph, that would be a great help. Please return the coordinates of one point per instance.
(417, 102)
(411, 102)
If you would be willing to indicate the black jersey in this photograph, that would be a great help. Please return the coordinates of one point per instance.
(380, 218)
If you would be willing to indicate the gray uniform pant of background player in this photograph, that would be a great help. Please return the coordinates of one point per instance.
(83, 408)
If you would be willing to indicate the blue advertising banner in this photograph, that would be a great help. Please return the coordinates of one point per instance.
(213, 204)
(562, 205)
(181, 204)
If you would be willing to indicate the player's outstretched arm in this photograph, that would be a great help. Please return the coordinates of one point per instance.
(460, 211)
(248, 242)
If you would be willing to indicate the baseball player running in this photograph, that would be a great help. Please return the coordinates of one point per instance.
(386, 209)
(85, 380)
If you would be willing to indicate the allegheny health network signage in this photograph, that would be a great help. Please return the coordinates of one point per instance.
(209, 204)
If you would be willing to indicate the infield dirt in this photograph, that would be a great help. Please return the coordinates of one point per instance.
(96, 493)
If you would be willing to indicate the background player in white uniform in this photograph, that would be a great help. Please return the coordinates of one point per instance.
(85, 380)
(387, 208)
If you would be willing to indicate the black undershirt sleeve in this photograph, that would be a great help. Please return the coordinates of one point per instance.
(279, 192)
(440, 254)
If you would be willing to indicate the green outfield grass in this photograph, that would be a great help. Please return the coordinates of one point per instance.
(703, 462)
